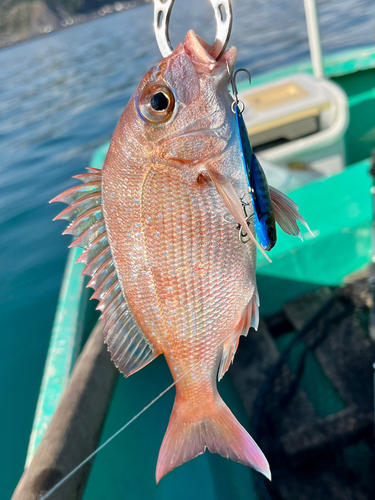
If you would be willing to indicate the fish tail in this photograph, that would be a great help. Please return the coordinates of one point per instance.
(190, 432)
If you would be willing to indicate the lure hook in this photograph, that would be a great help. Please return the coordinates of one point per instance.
(223, 17)
(244, 238)
(233, 83)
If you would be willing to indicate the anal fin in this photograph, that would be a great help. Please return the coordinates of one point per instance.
(249, 318)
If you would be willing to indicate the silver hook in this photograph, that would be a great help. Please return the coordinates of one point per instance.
(237, 102)
(234, 84)
(223, 16)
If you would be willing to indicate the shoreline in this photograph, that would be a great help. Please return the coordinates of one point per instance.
(62, 20)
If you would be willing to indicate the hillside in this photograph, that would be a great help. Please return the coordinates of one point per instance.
(24, 19)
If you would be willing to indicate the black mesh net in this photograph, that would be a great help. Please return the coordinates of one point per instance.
(313, 416)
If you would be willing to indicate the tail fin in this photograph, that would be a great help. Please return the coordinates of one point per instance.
(188, 436)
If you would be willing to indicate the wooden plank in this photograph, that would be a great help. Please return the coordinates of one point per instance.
(75, 427)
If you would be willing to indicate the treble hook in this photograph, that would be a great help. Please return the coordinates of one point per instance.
(237, 102)
(223, 16)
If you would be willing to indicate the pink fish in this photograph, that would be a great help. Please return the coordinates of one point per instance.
(169, 271)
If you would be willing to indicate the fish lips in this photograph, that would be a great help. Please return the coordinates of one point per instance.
(199, 52)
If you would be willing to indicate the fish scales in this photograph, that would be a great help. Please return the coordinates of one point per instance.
(188, 264)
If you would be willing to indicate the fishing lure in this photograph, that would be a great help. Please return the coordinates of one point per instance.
(263, 214)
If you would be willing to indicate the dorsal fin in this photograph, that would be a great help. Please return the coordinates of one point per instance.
(129, 348)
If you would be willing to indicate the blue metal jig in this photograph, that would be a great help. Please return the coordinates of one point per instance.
(264, 219)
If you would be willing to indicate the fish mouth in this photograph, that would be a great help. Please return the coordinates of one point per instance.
(201, 127)
(200, 50)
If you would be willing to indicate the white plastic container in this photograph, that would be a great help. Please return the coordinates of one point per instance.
(298, 121)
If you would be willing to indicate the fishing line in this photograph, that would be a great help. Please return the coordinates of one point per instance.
(71, 473)
(92, 455)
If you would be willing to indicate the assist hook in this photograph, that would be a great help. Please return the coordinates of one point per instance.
(223, 16)
(233, 83)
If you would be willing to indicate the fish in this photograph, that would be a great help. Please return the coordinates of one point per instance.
(169, 272)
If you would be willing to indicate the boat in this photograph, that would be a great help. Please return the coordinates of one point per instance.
(338, 207)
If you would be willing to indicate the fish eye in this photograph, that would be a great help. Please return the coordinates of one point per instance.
(157, 103)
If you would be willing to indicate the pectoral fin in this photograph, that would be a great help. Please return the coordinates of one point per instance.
(233, 203)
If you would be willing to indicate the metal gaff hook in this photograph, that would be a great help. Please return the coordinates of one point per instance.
(223, 16)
